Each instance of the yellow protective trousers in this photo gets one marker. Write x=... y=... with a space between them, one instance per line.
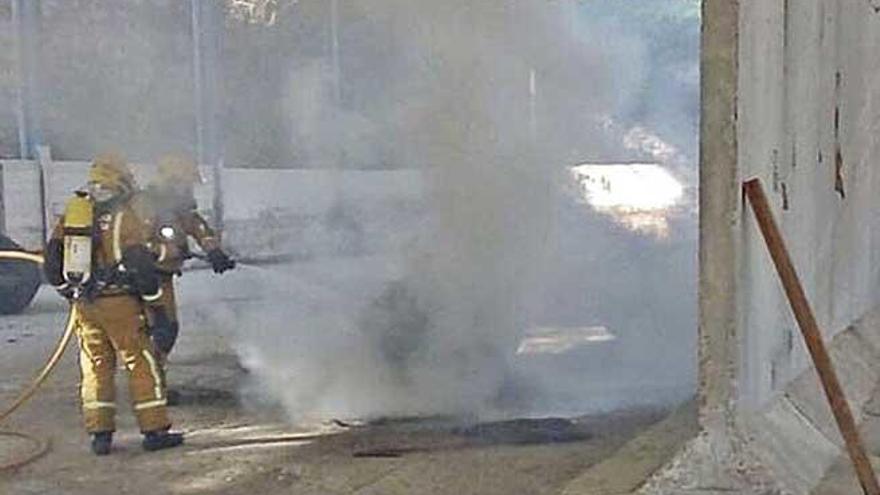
x=114 y=326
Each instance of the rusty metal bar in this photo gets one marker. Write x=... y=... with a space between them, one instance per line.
x=803 y=313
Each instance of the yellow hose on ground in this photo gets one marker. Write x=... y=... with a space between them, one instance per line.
x=41 y=446
x=23 y=256
x=29 y=391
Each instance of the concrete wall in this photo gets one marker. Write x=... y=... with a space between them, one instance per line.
x=268 y=213
x=789 y=95
x=807 y=114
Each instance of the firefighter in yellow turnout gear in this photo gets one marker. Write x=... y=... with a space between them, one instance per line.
x=98 y=257
x=169 y=207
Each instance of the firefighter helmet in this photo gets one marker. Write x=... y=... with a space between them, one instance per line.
x=177 y=169
x=109 y=173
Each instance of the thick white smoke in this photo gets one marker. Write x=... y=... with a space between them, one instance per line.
x=435 y=333
x=413 y=304
x=491 y=101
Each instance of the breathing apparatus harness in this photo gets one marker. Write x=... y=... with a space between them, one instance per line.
x=82 y=278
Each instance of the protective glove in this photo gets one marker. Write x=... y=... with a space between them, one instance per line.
x=163 y=331
x=220 y=261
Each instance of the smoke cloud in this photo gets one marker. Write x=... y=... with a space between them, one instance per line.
x=412 y=296
x=491 y=101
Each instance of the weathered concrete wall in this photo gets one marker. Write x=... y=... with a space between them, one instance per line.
x=807 y=110
x=295 y=213
x=789 y=96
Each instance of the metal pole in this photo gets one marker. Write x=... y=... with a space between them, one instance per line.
x=2 y=202
x=207 y=25
x=26 y=15
x=196 y=8
x=211 y=60
x=338 y=157
x=20 y=111
x=44 y=163
x=803 y=313
x=334 y=51
x=218 y=197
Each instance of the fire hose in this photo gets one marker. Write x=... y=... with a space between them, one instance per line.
x=41 y=446
x=23 y=256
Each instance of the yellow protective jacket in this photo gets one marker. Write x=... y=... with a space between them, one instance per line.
x=171 y=220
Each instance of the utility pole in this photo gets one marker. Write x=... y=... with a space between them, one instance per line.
x=338 y=152
x=2 y=203
x=207 y=38
x=334 y=51
x=338 y=158
x=196 y=11
x=26 y=16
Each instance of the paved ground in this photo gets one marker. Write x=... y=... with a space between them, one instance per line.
x=237 y=448
x=841 y=477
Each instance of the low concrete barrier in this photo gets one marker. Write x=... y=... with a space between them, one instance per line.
x=268 y=213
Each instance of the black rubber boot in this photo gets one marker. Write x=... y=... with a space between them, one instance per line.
x=101 y=442
x=161 y=439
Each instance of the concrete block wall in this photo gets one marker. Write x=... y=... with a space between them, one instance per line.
x=789 y=95
x=807 y=108
x=267 y=212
